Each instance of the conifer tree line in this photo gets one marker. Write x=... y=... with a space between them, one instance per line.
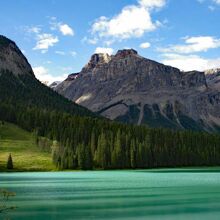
x=89 y=143
x=81 y=140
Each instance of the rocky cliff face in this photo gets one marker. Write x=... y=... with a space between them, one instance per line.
x=133 y=89
x=12 y=59
x=54 y=84
x=213 y=78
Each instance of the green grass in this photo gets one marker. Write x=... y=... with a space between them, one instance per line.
x=25 y=153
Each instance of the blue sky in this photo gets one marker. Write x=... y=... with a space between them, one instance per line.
x=59 y=36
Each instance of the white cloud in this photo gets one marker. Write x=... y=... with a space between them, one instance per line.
x=66 y=69
x=44 y=41
x=53 y=18
x=73 y=53
x=104 y=50
x=65 y=29
x=34 y=29
x=216 y=1
x=145 y=45
x=43 y=51
x=108 y=42
x=193 y=45
x=152 y=3
x=190 y=62
x=211 y=8
x=132 y=21
x=90 y=40
x=60 y=52
x=43 y=75
x=39 y=70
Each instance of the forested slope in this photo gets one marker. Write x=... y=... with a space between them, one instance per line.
x=85 y=140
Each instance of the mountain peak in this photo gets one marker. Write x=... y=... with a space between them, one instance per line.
x=212 y=71
x=100 y=58
x=126 y=52
x=5 y=42
x=95 y=60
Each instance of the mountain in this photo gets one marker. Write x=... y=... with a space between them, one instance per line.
x=12 y=59
x=130 y=88
x=18 y=85
x=54 y=84
x=75 y=137
x=213 y=78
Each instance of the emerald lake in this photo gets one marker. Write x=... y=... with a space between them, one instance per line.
x=132 y=194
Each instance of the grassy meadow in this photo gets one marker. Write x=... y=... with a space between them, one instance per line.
x=25 y=153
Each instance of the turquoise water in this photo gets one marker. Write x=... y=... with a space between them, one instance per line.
x=162 y=194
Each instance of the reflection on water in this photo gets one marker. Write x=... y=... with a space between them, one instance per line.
x=154 y=194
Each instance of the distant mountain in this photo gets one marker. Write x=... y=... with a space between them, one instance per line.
x=18 y=84
x=132 y=89
x=54 y=84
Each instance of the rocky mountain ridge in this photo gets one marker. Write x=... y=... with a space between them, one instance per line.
x=133 y=89
x=213 y=78
x=12 y=59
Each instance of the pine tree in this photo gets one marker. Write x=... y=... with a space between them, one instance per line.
x=88 y=158
x=92 y=143
x=133 y=154
x=10 y=162
x=117 y=157
x=102 y=152
x=85 y=157
x=81 y=156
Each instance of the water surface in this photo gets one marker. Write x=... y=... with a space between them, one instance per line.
x=157 y=194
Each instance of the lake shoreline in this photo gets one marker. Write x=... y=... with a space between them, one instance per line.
x=214 y=168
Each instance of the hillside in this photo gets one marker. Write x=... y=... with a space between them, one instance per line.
x=25 y=153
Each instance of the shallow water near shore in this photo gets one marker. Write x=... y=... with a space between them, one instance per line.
x=131 y=194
